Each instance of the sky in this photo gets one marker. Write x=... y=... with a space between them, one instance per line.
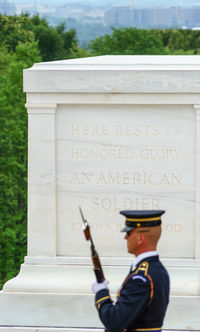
x=138 y=3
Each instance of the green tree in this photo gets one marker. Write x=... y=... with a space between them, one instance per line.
x=53 y=43
x=13 y=156
x=177 y=41
x=78 y=52
x=128 y=41
x=22 y=41
x=15 y=29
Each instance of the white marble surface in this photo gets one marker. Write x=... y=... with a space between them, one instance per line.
x=48 y=310
x=116 y=158
x=78 y=311
x=77 y=279
x=51 y=329
x=116 y=74
x=107 y=133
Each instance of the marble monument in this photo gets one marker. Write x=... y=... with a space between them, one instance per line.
x=107 y=133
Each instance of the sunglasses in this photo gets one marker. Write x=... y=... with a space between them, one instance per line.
x=129 y=232
x=142 y=231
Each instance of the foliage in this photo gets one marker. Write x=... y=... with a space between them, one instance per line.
x=156 y=41
x=22 y=41
x=13 y=154
x=78 y=52
x=128 y=41
x=85 y=31
x=179 y=41
x=182 y=52
x=53 y=43
x=14 y=29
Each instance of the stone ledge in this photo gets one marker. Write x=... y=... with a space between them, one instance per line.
x=52 y=329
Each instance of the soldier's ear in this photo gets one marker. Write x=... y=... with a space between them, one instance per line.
x=140 y=238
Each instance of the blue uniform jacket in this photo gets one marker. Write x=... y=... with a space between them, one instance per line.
x=142 y=299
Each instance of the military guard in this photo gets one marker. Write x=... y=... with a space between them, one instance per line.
x=144 y=295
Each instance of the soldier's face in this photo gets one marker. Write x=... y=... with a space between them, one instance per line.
x=134 y=241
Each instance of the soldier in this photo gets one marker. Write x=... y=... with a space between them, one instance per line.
x=143 y=298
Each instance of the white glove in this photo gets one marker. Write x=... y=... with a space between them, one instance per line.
x=97 y=286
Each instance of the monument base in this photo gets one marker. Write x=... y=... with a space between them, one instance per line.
x=60 y=296
x=47 y=310
x=75 y=311
x=52 y=329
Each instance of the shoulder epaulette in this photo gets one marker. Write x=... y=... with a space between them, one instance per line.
x=141 y=272
x=143 y=267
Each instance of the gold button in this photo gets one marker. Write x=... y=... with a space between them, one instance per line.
x=138 y=224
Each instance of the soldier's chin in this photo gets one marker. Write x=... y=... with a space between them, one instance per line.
x=129 y=251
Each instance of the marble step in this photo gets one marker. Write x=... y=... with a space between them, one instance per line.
x=52 y=329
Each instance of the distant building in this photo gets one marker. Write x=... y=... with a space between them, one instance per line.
x=192 y=16
x=143 y=17
x=80 y=13
x=66 y=12
x=7 y=8
x=93 y=16
x=119 y=16
x=154 y=17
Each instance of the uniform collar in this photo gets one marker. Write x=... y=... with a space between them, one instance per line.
x=143 y=256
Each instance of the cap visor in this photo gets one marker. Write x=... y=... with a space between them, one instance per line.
x=127 y=229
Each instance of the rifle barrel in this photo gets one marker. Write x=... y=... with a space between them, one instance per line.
x=95 y=257
x=82 y=215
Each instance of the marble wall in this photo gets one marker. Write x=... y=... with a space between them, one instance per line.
x=107 y=134
x=125 y=157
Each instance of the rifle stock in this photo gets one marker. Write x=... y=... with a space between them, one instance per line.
x=95 y=257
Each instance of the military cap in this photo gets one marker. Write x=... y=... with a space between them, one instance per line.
x=141 y=218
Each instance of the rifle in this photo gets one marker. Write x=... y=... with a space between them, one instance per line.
x=95 y=257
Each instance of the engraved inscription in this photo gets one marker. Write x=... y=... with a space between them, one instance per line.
x=110 y=227
x=110 y=153
x=130 y=130
x=161 y=154
x=89 y=130
x=126 y=157
x=95 y=130
x=125 y=203
x=126 y=178
x=102 y=154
